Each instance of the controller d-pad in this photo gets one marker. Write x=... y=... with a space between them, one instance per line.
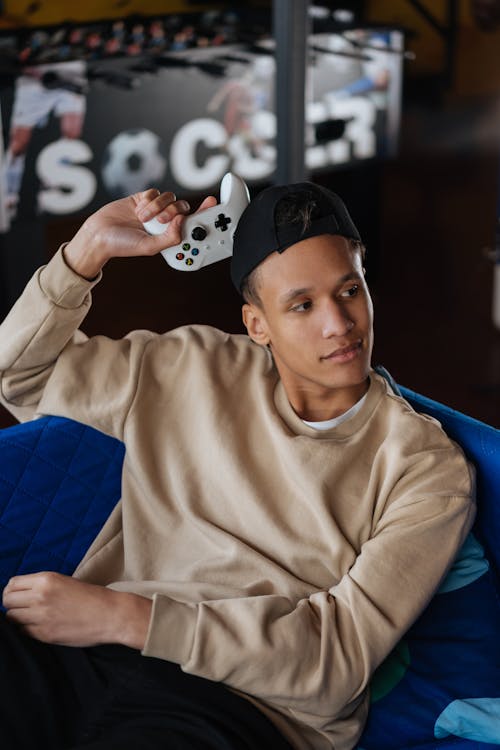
x=222 y=222
x=199 y=234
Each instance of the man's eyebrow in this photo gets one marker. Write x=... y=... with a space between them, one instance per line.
x=291 y=294
x=351 y=276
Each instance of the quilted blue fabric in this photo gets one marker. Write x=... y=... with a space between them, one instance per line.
x=481 y=443
x=59 y=481
x=440 y=688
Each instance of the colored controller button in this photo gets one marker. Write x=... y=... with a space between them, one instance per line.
x=180 y=256
x=195 y=251
x=186 y=246
x=198 y=234
x=189 y=261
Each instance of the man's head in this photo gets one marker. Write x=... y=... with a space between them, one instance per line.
x=281 y=216
x=298 y=261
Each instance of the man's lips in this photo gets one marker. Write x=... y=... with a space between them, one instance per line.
x=345 y=352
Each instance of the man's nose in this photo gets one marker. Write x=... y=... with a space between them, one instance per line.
x=336 y=320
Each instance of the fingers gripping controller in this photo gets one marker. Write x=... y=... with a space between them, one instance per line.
x=207 y=236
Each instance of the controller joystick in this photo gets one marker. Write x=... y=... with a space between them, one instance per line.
x=207 y=236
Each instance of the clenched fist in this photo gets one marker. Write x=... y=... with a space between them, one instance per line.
x=61 y=610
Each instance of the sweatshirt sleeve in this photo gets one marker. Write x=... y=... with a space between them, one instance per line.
x=48 y=366
x=315 y=656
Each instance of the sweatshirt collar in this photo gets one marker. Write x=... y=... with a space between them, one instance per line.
x=375 y=391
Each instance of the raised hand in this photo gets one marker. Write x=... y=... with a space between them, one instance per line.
x=116 y=230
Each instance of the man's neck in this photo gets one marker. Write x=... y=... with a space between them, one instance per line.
x=319 y=407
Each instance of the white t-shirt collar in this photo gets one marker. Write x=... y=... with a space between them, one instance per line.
x=327 y=424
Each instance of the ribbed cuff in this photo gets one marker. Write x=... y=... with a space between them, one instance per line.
x=62 y=285
x=171 y=630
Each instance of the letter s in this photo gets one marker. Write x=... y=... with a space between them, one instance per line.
x=67 y=187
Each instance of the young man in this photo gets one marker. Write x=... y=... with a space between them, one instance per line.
x=285 y=516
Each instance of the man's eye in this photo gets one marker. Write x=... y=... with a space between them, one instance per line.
x=351 y=292
x=302 y=307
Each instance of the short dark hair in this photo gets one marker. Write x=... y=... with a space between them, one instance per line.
x=295 y=208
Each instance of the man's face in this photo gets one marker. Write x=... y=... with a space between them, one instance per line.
x=317 y=317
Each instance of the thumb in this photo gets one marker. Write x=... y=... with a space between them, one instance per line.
x=209 y=202
x=172 y=235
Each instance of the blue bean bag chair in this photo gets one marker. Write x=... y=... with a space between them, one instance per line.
x=438 y=690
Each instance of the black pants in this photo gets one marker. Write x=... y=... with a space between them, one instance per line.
x=112 y=698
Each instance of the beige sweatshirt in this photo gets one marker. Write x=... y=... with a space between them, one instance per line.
x=283 y=561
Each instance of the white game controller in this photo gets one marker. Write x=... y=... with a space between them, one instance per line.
x=207 y=236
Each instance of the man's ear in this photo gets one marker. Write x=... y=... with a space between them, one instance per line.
x=255 y=323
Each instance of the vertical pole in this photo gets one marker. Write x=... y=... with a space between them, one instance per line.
x=291 y=31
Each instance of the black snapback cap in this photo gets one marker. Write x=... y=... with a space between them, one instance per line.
x=257 y=234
